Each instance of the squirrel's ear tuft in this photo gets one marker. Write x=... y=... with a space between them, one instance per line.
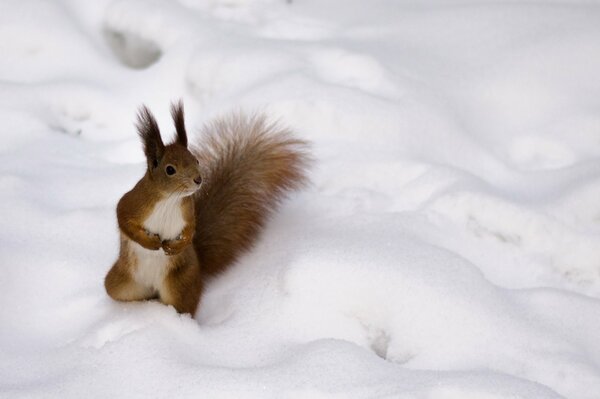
x=177 y=114
x=150 y=135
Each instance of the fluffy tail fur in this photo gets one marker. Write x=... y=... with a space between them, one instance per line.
x=249 y=165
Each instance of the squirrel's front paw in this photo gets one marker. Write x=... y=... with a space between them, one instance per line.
x=152 y=241
x=173 y=247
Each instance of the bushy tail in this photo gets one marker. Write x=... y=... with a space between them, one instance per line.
x=249 y=165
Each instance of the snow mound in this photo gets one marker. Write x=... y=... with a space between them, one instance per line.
x=448 y=248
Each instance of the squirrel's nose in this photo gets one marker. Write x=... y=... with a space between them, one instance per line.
x=198 y=180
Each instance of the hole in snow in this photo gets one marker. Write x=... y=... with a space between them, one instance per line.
x=380 y=342
x=378 y=339
x=132 y=50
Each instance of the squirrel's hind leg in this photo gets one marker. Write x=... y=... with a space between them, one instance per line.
x=122 y=287
x=182 y=286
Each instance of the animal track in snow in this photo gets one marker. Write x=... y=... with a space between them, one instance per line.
x=132 y=50
x=138 y=36
x=530 y=233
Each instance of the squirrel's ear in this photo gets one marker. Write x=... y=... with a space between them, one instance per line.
x=150 y=135
x=177 y=114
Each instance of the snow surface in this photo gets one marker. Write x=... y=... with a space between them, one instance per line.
x=449 y=247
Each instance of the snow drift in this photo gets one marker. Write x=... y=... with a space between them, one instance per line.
x=449 y=246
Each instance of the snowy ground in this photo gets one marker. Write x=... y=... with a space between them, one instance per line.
x=449 y=247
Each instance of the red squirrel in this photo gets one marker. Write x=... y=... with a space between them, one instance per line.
x=199 y=207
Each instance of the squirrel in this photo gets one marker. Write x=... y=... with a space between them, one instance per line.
x=199 y=207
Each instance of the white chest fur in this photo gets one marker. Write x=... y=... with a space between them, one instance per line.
x=151 y=266
x=167 y=221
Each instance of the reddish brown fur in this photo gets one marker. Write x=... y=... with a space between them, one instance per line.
x=248 y=166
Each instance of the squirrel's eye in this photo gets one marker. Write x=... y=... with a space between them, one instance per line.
x=170 y=170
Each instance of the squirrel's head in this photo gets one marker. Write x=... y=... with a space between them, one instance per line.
x=172 y=168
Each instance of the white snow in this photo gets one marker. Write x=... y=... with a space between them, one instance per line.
x=449 y=246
